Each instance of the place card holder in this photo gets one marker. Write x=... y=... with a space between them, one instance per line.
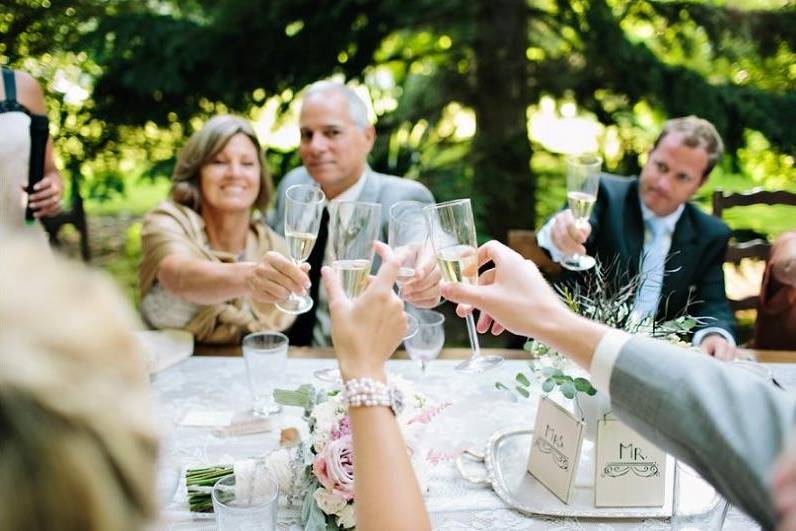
x=555 y=448
x=629 y=470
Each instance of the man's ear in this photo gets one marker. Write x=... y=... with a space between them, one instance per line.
x=370 y=136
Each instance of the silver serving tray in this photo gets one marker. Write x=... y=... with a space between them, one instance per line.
x=505 y=462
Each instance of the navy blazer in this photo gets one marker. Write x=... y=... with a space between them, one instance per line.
x=694 y=263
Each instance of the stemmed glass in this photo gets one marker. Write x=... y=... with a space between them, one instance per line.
x=583 y=179
x=303 y=210
x=427 y=343
x=451 y=228
x=353 y=228
x=408 y=237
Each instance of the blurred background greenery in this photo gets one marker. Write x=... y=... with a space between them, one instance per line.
x=476 y=98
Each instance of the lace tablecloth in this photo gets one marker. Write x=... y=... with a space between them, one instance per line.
x=478 y=410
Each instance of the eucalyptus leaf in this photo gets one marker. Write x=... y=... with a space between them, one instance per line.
x=522 y=379
x=582 y=384
x=548 y=385
x=499 y=385
x=521 y=390
x=568 y=390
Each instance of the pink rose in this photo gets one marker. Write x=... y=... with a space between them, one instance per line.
x=334 y=467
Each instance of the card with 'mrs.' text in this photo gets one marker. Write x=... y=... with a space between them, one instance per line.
x=555 y=449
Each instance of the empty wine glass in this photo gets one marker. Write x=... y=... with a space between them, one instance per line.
x=303 y=210
x=408 y=237
x=427 y=343
x=451 y=228
x=353 y=228
x=583 y=179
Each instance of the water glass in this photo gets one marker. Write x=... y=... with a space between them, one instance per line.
x=266 y=357
x=251 y=507
x=427 y=343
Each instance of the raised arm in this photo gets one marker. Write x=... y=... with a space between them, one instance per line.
x=366 y=331
x=728 y=424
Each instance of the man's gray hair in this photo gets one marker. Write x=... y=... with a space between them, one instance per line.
x=357 y=110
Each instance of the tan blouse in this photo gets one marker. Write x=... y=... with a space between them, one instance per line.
x=175 y=229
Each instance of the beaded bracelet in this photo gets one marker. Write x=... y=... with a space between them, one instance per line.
x=367 y=392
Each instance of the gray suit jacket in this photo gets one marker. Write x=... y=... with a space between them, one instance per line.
x=379 y=188
x=725 y=422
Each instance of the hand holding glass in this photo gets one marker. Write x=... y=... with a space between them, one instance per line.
x=408 y=238
x=353 y=228
x=583 y=179
x=451 y=228
x=303 y=210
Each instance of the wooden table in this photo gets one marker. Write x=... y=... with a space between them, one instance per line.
x=328 y=352
x=763 y=356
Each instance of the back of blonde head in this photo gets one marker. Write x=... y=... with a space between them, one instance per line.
x=77 y=445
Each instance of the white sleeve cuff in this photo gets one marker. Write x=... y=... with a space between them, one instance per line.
x=544 y=241
x=602 y=363
x=700 y=335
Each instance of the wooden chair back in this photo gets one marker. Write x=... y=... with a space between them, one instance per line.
x=757 y=248
x=524 y=242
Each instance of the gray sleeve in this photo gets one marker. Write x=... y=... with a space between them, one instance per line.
x=725 y=422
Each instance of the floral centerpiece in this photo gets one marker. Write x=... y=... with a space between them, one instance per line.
x=318 y=475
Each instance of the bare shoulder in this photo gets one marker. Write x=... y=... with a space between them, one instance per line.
x=30 y=93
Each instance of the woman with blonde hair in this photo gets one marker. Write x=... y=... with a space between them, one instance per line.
x=210 y=265
x=77 y=440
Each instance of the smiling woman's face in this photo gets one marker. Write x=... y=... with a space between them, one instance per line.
x=230 y=180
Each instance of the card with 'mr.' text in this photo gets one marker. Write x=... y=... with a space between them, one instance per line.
x=555 y=449
x=629 y=470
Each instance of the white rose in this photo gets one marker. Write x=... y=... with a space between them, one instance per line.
x=278 y=463
x=329 y=501
x=345 y=518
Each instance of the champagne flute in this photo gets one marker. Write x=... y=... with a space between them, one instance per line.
x=583 y=179
x=408 y=237
x=452 y=232
x=353 y=228
x=303 y=210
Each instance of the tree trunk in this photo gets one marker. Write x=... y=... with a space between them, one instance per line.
x=501 y=151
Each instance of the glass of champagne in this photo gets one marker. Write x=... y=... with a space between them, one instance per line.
x=353 y=228
x=408 y=237
x=451 y=228
x=303 y=210
x=427 y=343
x=583 y=179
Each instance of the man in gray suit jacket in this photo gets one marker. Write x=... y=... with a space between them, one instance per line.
x=729 y=424
x=336 y=139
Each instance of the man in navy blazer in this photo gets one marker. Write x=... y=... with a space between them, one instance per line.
x=629 y=210
x=336 y=139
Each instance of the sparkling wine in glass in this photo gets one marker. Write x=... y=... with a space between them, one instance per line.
x=303 y=210
x=407 y=235
x=451 y=228
x=583 y=179
x=353 y=228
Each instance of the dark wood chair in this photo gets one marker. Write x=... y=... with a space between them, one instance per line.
x=524 y=242
x=757 y=247
x=75 y=215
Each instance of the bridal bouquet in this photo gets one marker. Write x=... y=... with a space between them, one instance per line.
x=318 y=474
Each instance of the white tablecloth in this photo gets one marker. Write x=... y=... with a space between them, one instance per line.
x=478 y=410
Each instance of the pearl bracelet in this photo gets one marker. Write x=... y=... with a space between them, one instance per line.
x=367 y=392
